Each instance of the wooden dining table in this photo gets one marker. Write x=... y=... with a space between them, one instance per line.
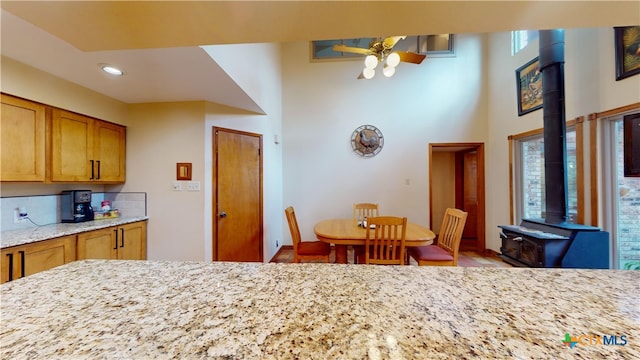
x=345 y=232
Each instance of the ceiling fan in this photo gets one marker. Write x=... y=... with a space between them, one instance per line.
x=381 y=51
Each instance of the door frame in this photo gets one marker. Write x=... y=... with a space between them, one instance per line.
x=214 y=188
x=480 y=182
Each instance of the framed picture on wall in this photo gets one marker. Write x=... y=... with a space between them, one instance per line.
x=529 y=87
x=627 y=43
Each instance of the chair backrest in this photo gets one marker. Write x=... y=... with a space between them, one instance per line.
x=385 y=241
x=293 y=227
x=362 y=210
x=451 y=231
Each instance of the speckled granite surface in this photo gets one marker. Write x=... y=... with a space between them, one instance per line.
x=39 y=233
x=158 y=310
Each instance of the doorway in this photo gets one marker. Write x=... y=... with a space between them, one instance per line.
x=456 y=179
x=237 y=196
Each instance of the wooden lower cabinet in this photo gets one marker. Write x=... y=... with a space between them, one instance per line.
x=25 y=260
x=124 y=242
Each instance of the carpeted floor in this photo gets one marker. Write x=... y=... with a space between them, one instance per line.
x=465 y=258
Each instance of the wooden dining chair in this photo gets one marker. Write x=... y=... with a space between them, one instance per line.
x=445 y=252
x=364 y=210
x=360 y=212
x=384 y=244
x=305 y=250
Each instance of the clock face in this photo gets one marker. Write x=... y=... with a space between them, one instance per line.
x=367 y=140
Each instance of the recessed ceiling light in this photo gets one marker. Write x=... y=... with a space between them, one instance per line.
x=110 y=69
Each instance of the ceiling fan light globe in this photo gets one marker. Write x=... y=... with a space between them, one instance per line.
x=388 y=71
x=368 y=73
x=370 y=62
x=393 y=59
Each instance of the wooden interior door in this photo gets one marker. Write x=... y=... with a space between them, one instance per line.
x=465 y=168
x=469 y=196
x=237 y=203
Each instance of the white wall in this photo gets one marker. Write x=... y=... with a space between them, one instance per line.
x=159 y=136
x=265 y=86
x=163 y=134
x=440 y=100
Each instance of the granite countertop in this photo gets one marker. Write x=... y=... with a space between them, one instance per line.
x=45 y=232
x=152 y=309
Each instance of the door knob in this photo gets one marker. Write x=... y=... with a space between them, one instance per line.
x=223 y=214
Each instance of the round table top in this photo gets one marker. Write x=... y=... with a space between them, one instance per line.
x=347 y=232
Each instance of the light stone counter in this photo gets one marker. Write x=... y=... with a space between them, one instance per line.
x=45 y=232
x=186 y=310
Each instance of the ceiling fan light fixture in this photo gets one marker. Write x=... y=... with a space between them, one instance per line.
x=393 y=59
x=368 y=73
x=388 y=71
x=370 y=62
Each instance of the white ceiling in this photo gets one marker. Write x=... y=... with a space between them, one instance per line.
x=157 y=42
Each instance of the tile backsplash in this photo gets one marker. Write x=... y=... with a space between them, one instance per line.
x=45 y=209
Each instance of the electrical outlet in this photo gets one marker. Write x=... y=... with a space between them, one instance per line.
x=193 y=186
x=177 y=186
x=20 y=215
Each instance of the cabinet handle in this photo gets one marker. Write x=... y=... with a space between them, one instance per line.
x=122 y=238
x=21 y=263
x=519 y=238
x=10 y=266
x=116 y=246
x=98 y=161
x=92 y=173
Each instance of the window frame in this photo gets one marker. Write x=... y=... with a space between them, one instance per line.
x=516 y=191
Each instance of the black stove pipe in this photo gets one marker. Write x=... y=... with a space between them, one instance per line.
x=551 y=47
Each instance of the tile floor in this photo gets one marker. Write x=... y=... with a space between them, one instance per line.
x=465 y=258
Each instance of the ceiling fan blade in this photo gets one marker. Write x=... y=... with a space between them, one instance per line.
x=390 y=41
x=356 y=50
x=410 y=57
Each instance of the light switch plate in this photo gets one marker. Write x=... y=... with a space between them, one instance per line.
x=177 y=186
x=193 y=186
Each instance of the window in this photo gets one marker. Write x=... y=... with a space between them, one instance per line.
x=521 y=38
x=529 y=186
x=621 y=197
x=440 y=45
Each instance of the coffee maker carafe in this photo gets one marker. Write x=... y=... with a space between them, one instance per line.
x=76 y=206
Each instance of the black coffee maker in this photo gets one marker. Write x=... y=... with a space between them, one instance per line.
x=76 y=206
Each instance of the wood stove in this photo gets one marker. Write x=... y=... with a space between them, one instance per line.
x=552 y=242
x=536 y=243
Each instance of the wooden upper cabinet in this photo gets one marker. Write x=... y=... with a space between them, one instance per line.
x=22 y=140
x=109 y=152
x=71 y=147
x=84 y=149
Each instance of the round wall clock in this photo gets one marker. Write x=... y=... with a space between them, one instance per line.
x=367 y=140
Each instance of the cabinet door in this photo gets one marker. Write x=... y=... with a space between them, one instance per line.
x=22 y=140
x=132 y=243
x=8 y=265
x=71 y=147
x=98 y=244
x=29 y=259
x=109 y=152
x=48 y=254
